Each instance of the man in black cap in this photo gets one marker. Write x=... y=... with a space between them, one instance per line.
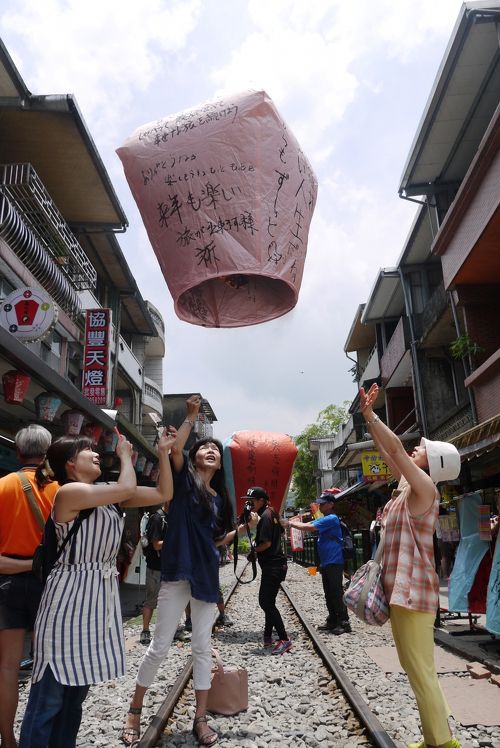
x=272 y=562
x=331 y=557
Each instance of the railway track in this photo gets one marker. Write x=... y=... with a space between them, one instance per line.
x=350 y=707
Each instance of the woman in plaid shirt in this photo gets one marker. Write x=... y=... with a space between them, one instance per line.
x=409 y=577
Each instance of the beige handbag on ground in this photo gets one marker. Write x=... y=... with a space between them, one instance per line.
x=228 y=693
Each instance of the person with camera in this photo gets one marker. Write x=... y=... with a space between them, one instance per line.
x=331 y=559
x=155 y=532
x=273 y=565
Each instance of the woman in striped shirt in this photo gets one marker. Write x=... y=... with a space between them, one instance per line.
x=409 y=577
x=78 y=631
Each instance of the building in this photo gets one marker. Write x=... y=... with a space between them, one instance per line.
x=59 y=252
x=427 y=333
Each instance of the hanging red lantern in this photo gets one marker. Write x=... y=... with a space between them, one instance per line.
x=118 y=401
x=231 y=235
x=72 y=422
x=46 y=406
x=93 y=431
x=15 y=385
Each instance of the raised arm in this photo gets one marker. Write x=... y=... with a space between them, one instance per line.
x=423 y=490
x=72 y=497
x=192 y=409
x=164 y=491
x=302 y=526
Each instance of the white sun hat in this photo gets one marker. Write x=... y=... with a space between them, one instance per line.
x=443 y=459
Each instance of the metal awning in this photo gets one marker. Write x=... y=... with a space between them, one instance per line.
x=350 y=457
x=462 y=100
x=386 y=300
x=361 y=484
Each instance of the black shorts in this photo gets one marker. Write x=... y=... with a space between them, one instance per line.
x=19 y=600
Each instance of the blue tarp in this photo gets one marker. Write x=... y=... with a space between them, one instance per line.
x=469 y=555
x=493 y=599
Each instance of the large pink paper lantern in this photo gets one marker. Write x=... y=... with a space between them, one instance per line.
x=226 y=196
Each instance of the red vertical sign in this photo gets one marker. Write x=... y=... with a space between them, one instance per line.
x=96 y=369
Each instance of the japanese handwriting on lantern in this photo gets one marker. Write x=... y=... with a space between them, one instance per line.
x=273 y=253
x=269 y=224
x=167 y=210
x=282 y=178
x=298 y=225
x=283 y=149
x=207 y=254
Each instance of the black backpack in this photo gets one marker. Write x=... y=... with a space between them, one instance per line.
x=347 y=541
x=146 y=540
x=46 y=554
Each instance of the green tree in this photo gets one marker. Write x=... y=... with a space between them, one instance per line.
x=327 y=424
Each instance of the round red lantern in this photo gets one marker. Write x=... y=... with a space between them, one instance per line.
x=15 y=386
x=72 y=422
x=46 y=406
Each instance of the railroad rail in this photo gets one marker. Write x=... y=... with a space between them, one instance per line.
x=374 y=730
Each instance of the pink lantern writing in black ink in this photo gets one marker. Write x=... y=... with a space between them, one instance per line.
x=72 y=421
x=227 y=196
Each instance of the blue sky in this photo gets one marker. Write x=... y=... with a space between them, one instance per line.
x=351 y=79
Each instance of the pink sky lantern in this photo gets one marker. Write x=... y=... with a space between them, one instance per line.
x=259 y=458
x=227 y=196
x=46 y=406
x=72 y=421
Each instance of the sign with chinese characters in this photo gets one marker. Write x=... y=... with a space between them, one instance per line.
x=28 y=313
x=374 y=467
x=96 y=368
x=259 y=458
x=296 y=540
x=227 y=196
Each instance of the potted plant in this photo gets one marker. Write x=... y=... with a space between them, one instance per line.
x=463 y=347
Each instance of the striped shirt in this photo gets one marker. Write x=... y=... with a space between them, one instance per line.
x=78 y=629
x=409 y=575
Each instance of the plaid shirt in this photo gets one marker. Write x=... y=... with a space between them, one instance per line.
x=409 y=575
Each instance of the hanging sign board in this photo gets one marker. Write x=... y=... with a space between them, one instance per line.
x=374 y=467
x=96 y=356
x=28 y=313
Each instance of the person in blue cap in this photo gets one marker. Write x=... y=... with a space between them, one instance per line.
x=331 y=558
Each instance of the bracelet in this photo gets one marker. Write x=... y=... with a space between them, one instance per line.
x=374 y=420
x=187 y=420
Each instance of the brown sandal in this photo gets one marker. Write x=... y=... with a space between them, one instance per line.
x=208 y=738
x=130 y=735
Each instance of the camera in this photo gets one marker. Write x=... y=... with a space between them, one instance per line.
x=247 y=510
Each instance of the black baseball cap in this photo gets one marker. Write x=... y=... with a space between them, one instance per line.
x=256 y=493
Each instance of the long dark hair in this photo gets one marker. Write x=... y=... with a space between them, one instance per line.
x=225 y=520
x=62 y=450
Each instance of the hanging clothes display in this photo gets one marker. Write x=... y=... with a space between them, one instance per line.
x=493 y=600
x=470 y=553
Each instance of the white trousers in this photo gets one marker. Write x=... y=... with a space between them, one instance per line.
x=172 y=599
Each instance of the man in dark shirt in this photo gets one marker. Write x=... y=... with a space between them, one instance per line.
x=156 y=528
x=272 y=562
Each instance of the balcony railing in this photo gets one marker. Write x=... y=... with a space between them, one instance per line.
x=433 y=309
x=394 y=351
x=20 y=183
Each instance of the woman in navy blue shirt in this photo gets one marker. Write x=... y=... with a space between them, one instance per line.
x=199 y=520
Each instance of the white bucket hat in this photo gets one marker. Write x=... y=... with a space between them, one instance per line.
x=443 y=459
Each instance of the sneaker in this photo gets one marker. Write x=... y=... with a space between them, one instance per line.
x=282 y=646
x=180 y=634
x=347 y=627
x=145 y=637
x=223 y=620
x=326 y=627
x=188 y=626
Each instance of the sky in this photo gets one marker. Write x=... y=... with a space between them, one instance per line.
x=350 y=78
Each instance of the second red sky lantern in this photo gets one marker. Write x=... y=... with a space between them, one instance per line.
x=227 y=196
x=259 y=458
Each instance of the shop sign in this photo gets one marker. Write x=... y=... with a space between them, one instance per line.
x=96 y=365
x=374 y=467
x=28 y=313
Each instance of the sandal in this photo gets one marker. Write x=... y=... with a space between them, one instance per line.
x=130 y=735
x=208 y=738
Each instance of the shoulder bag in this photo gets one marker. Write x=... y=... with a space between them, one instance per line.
x=365 y=595
x=228 y=693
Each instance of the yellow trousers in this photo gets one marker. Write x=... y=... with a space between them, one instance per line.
x=413 y=633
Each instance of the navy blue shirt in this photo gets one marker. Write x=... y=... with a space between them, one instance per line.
x=189 y=551
x=329 y=540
